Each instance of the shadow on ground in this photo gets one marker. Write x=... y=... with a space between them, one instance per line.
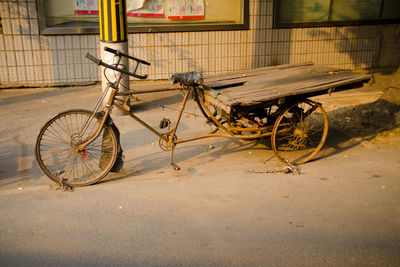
x=350 y=126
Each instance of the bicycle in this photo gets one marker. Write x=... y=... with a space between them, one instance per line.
x=80 y=147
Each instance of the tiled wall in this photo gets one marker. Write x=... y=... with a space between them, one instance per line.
x=30 y=59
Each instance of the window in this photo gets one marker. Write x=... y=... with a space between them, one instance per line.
x=81 y=16
x=310 y=13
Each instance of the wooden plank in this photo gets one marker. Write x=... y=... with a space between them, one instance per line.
x=272 y=83
x=295 y=82
x=262 y=76
x=248 y=73
x=289 y=82
x=296 y=90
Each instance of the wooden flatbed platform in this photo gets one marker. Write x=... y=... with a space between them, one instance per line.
x=268 y=84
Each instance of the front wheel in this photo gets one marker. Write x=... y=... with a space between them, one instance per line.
x=300 y=132
x=58 y=153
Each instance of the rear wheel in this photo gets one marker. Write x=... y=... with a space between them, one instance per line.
x=300 y=132
x=60 y=158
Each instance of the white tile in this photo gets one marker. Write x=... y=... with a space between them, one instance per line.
x=21 y=74
x=86 y=71
x=38 y=73
x=211 y=51
x=32 y=13
x=218 y=50
x=4 y=74
x=205 y=37
x=143 y=40
x=78 y=55
x=35 y=42
x=76 y=43
x=62 y=72
x=91 y=41
x=205 y=52
x=34 y=26
x=218 y=38
x=193 y=38
x=70 y=69
x=16 y=26
x=13 y=8
x=28 y=58
x=12 y=74
x=150 y=40
x=23 y=10
x=60 y=42
x=78 y=71
x=69 y=55
x=7 y=28
x=4 y=11
x=212 y=39
x=30 y=73
x=37 y=57
x=18 y=45
x=44 y=42
x=46 y=57
x=3 y=59
x=27 y=42
x=48 y=73
x=54 y=57
x=243 y=50
x=68 y=41
x=157 y=39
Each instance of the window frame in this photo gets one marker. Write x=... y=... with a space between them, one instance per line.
x=284 y=25
x=245 y=25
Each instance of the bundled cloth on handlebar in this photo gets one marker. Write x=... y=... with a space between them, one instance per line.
x=192 y=78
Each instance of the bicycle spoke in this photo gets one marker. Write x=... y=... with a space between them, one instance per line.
x=60 y=161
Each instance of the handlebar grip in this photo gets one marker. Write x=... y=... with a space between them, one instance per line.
x=109 y=49
x=119 y=53
x=92 y=58
x=100 y=62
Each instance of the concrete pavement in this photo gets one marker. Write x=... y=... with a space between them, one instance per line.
x=223 y=208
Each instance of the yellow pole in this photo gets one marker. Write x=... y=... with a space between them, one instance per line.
x=113 y=33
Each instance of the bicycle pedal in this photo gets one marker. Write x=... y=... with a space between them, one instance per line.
x=164 y=123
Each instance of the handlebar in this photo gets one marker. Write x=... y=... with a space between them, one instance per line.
x=119 y=53
x=100 y=62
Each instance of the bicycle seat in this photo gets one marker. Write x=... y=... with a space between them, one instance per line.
x=192 y=78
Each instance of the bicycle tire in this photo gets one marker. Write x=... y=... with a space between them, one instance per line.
x=57 y=154
x=297 y=138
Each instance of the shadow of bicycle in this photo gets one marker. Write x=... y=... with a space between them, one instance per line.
x=353 y=125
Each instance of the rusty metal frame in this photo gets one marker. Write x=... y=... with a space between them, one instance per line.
x=168 y=137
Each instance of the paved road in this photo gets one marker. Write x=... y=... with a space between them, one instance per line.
x=223 y=208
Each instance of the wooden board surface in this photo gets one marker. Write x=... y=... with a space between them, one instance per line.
x=264 y=84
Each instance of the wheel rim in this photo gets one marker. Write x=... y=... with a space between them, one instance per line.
x=59 y=156
x=300 y=132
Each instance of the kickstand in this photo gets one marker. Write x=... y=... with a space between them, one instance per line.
x=61 y=185
x=171 y=161
x=291 y=168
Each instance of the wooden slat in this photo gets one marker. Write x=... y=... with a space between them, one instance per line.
x=290 y=83
x=248 y=73
x=279 y=81
x=295 y=89
x=263 y=76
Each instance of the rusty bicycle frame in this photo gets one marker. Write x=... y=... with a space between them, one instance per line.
x=168 y=139
x=297 y=126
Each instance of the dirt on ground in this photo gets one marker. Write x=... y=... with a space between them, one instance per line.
x=358 y=117
x=226 y=207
